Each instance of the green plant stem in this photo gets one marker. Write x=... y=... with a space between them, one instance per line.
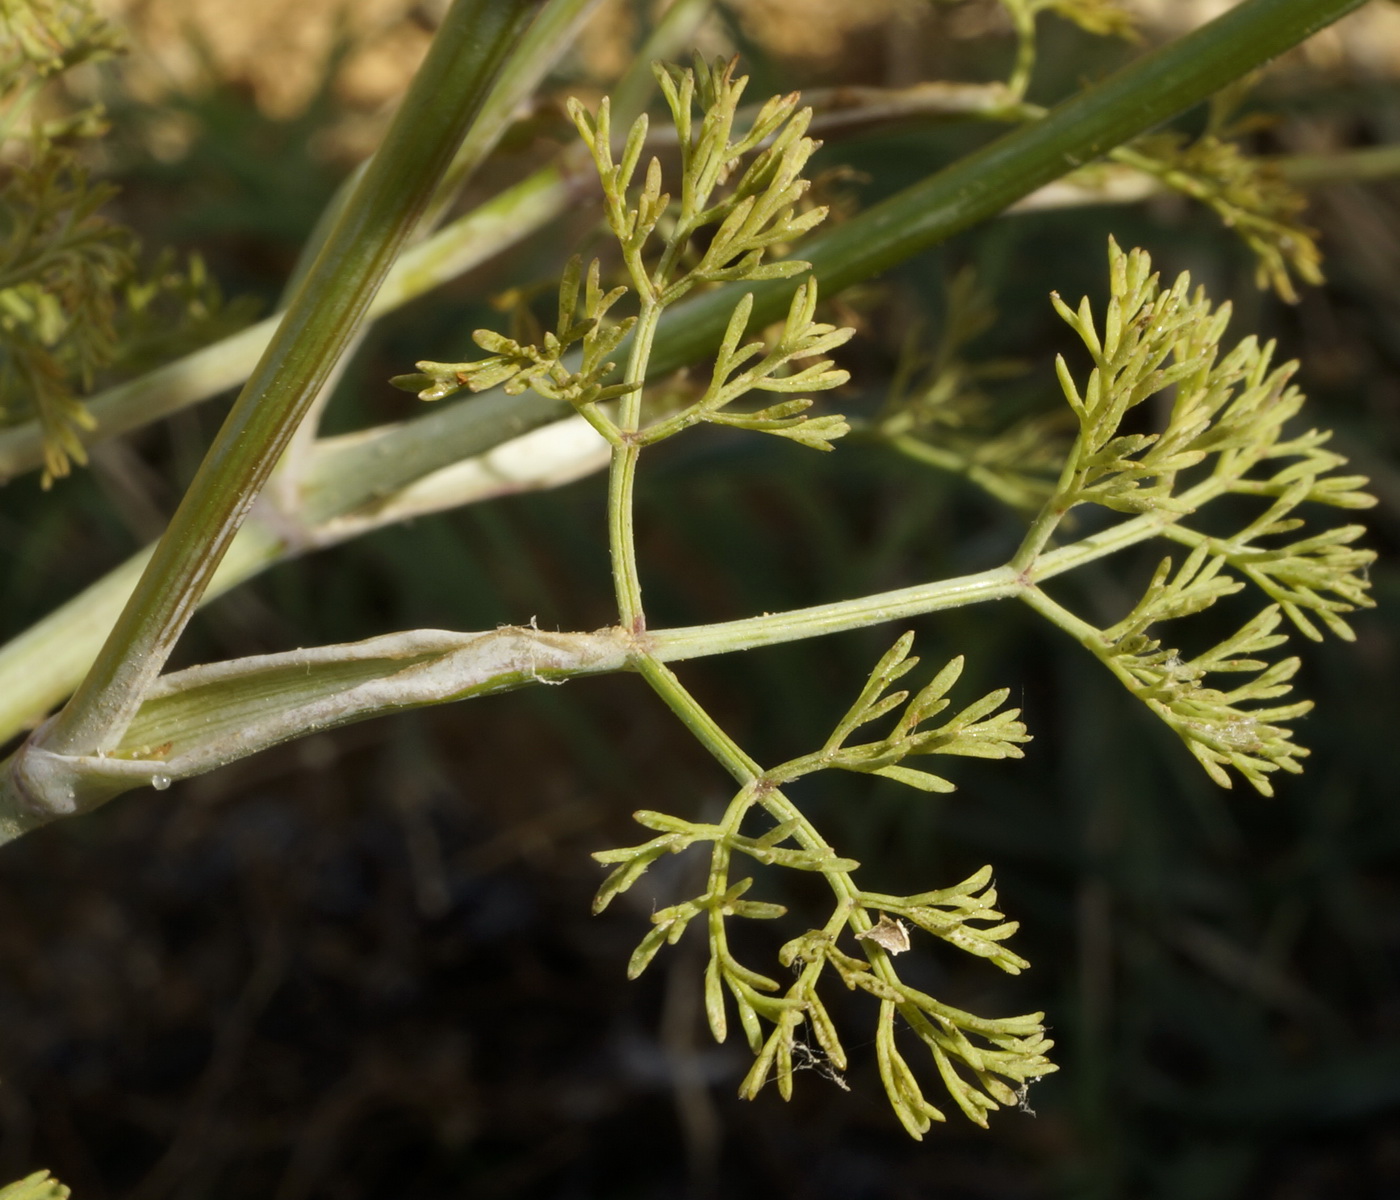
x=771 y=629
x=475 y=38
x=622 y=474
x=1023 y=21
x=999 y=583
x=277 y=697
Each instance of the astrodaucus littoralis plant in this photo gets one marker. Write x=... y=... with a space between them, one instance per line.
x=1223 y=435
x=739 y=201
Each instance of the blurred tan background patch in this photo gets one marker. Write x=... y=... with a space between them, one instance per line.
x=279 y=51
x=276 y=50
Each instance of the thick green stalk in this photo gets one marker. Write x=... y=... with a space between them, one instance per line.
x=473 y=42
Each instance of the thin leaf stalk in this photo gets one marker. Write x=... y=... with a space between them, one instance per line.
x=745 y=771
x=622 y=475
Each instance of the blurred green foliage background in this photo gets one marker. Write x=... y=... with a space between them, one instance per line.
x=363 y=965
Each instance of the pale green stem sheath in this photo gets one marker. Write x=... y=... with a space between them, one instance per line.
x=475 y=38
x=201 y=718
